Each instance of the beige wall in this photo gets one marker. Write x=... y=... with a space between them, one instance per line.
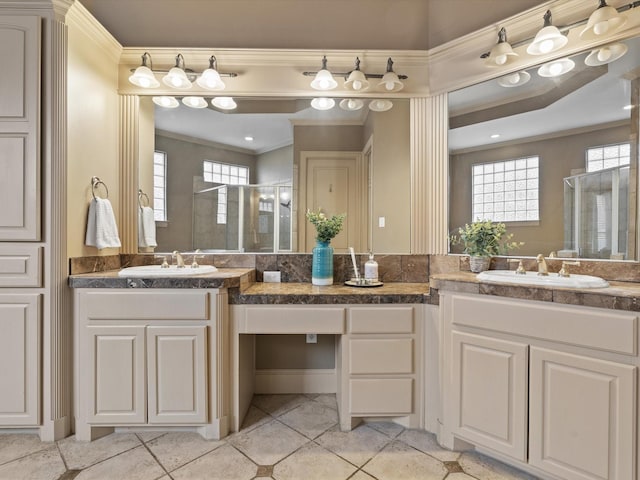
x=558 y=156
x=275 y=167
x=92 y=109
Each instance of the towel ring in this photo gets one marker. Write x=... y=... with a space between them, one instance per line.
x=142 y=195
x=95 y=181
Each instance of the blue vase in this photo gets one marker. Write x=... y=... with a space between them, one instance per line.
x=322 y=266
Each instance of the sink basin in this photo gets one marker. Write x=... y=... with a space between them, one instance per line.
x=552 y=280
x=147 y=271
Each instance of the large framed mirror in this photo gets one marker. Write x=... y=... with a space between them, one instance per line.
x=241 y=180
x=552 y=154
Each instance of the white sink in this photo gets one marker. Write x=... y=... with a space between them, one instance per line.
x=551 y=280
x=146 y=271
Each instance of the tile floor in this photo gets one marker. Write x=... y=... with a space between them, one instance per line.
x=284 y=437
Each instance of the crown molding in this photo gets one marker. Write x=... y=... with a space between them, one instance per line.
x=200 y=141
x=79 y=17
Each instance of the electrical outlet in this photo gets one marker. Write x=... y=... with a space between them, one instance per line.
x=381 y=222
x=312 y=338
x=271 y=277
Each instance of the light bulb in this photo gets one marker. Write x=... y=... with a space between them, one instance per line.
x=501 y=59
x=601 y=28
x=388 y=85
x=352 y=104
x=604 y=54
x=175 y=81
x=165 y=101
x=514 y=78
x=546 y=46
x=357 y=84
x=324 y=84
x=555 y=69
x=144 y=82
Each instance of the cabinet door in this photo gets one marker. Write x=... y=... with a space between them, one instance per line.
x=177 y=374
x=581 y=416
x=19 y=359
x=19 y=128
x=117 y=387
x=489 y=392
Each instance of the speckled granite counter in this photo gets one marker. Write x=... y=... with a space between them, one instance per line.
x=618 y=296
x=306 y=293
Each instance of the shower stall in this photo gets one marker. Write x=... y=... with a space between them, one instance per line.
x=596 y=207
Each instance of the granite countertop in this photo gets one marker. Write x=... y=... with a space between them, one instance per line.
x=618 y=296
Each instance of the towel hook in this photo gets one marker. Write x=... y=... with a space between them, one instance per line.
x=141 y=194
x=95 y=181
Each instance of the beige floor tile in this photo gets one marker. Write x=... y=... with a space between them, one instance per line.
x=146 y=437
x=178 y=448
x=357 y=446
x=254 y=418
x=459 y=476
x=80 y=455
x=390 y=429
x=224 y=463
x=327 y=399
x=362 y=476
x=486 y=468
x=269 y=443
x=426 y=442
x=399 y=462
x=312 y=462
x=43 y=465
x=310 y=419
x=16 y=445
x=136 y=464
x=276 y=405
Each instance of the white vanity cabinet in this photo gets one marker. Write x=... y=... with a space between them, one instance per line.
x=550 y=386
x=150 y=357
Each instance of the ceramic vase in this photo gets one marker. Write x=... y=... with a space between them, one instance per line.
x=322 y=266
x=479 y=264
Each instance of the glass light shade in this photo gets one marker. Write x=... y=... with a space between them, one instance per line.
x=166 y=102
x=606 y=54
x=547 y=40
x=351 y=104
x=144 y=77
x=225 y=103
x=556 y=68
x=210 y=80
x=604 y=21
x=501 y=54
x=323 y=103
x=390 y=82
x=357 y=81
x=514 y=79
x=324 y=81
x=195 y=102
x=380 y=105
x=177 y=78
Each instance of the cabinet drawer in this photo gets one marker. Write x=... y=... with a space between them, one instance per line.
x=381 y=320
x=293 y=320
x=384 y=356
x=20 y=266
x=384 y=396
x=149 y=305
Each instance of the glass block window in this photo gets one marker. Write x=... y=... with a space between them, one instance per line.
x=608 y=156
x=160 y=186
x=506 y=191
x=224 y=173
x=222 y=206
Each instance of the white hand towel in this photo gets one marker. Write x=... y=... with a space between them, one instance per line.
x=102 y=231
x=146 y=227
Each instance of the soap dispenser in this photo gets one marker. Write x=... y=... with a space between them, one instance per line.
x=371 y=270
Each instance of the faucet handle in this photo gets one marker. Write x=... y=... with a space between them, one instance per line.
x=520 y=270
x=563 y=271
x=553 y=254
x=164 y=264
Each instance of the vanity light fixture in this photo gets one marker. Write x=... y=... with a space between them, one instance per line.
x=224 y=103
x=166 y=102
x=177 y=77
x=195 y=102
x=501 y=53
x=357 y=80
x=323 y=103
x=390 y=80
x=556 y=67
x=380 y=105
x=143 y=75
x=323 y=79
x=548 y=39
x=606 y=54
x=210 y=78
x=351 y=104
x=603 y=21
x=514 y=79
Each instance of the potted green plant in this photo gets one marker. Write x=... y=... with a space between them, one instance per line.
x=326 y=229
x=482 y=240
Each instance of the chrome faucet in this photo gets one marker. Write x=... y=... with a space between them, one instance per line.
x=542 y=265
x=563 y=271
x=179 y=259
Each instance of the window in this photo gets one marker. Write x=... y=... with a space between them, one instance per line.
x=227 y=174
x=608 y=156
x=506 y=191
x=160 y=186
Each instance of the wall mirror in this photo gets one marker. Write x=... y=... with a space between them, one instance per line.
x=240 y=180
x=554 y=155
